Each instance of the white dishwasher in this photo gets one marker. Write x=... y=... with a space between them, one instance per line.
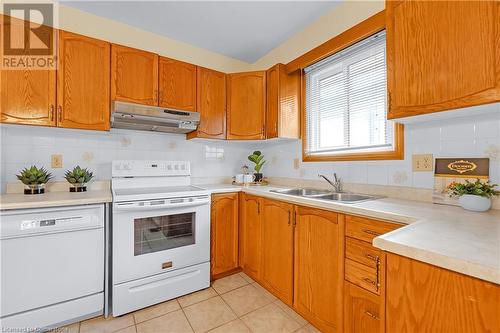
x=52 y=266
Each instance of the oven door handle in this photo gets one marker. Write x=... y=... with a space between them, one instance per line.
x=137 y=207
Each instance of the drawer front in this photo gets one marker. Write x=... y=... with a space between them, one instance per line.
x=361 y=275
x=363 y=310
x=362 y=252
x=366 y=229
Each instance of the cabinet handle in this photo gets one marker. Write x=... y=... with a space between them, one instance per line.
x=369 y=281
x=371 y=232
x=372 y=315
x=374 y=258
x=289 y=218
x=258 y=207
x=51 y=111
x=294 y=218
x=59 y=113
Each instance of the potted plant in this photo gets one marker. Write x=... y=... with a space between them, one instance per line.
x=258 y=159
x=35 y=179
x=475 y=196
x=78 y=178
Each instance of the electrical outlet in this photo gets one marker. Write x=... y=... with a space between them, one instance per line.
x=296 y=163
x=56 y=161
x=422 y=162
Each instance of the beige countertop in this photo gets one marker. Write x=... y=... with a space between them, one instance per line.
x=54 y=199
x=445 y=236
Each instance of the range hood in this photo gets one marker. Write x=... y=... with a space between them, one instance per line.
x=152 y=118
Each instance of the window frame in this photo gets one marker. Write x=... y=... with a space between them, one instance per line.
x=340 y=42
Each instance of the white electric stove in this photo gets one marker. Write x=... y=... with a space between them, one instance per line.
x=160 y=234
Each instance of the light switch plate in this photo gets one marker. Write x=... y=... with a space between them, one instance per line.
x=56 y=161
x=422 y=162
x=296 y=163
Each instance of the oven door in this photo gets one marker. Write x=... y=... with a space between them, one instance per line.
x=157 y=236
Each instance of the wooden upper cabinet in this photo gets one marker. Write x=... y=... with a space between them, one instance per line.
x=283 y=101
x=277 y=248
x=27 y=96
x=318 y=267
x=83 y=82
x=250 y=236
x=224 y=233
x=246 y=106
x=442 y=55
x=426 y=298
x=211 y=105
x=177 y=85
x=134 y=75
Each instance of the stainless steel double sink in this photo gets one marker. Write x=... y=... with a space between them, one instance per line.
x=344 y=197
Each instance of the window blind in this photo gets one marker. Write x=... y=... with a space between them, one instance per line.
x=346 y=100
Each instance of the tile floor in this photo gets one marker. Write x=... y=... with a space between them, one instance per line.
x=232 y=304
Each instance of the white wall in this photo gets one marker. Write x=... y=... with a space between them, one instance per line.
x=471 y=136
x=22 y=146
x=342 y=17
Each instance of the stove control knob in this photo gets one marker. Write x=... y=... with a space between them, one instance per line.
x=183 y=167
x=177 y=167
x=127 y=167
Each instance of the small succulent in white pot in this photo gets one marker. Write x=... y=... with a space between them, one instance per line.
x=35 y=179
x=475 y=196
x=78 y=178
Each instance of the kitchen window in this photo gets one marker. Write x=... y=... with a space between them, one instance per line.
x=346 y=106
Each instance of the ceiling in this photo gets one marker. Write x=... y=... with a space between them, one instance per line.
x=243 y=30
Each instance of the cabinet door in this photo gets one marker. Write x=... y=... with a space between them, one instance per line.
x=283 y=93
x=211 y=105
x=246 y=103
x=83 y=78
x=250 y=236
x=363 y=311
x=134 y=75
x=442 y=55
x=224 y=233
x=319 y=272
x=177 y=84
x=425 y=298
x=27 y=96
x=277 y=248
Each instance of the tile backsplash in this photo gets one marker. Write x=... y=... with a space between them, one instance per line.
x=23 y=146
x=471 y=136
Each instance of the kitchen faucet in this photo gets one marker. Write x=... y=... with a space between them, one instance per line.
x=337 y=184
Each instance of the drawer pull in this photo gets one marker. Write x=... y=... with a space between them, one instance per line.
x=371 y=232
x=374 y=258
x=374 y=316
x=369 y=281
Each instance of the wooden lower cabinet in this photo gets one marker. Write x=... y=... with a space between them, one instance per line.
x=318 y=267
x=425 y=298
x=277 y=248
x=363 y=310
x=224 y=233
x=250 y=236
